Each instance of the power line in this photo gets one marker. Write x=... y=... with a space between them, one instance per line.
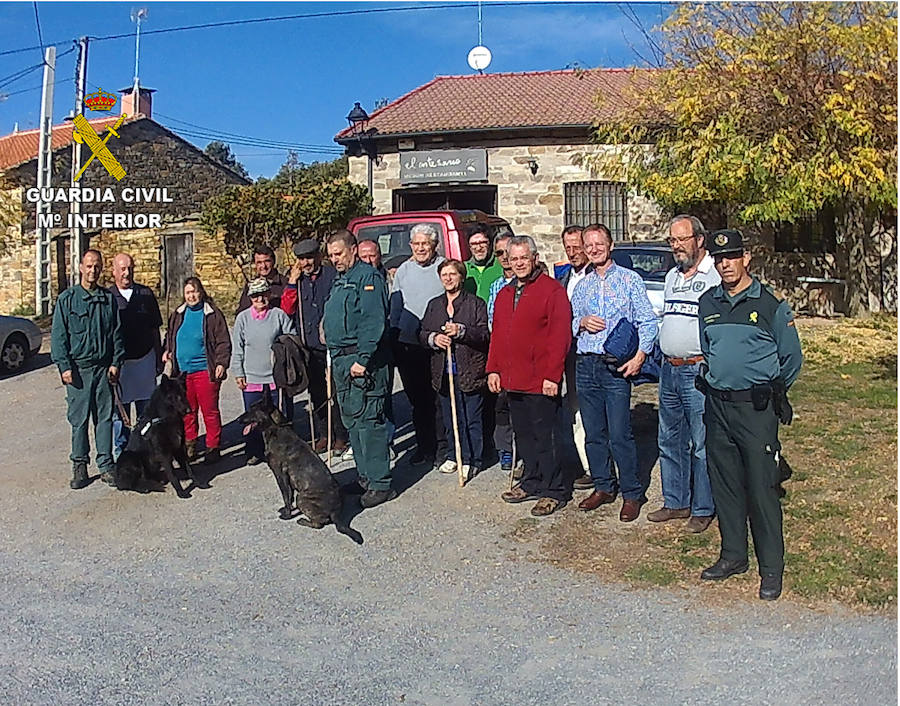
x=337 y=13
x=4 y=96
x=226 y=136
x=37 y=22
x=250 y=142
x=6 y=80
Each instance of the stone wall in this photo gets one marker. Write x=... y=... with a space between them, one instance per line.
x=532 y=203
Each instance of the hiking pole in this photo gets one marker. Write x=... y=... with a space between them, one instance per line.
x=457 y=445
x=329 y=412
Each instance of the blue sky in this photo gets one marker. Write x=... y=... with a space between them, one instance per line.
x=295 y=81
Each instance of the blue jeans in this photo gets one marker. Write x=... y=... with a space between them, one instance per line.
x=682 y=441
x=254 y=445
x=605 y=402
x=471 y=431
x=121 y=433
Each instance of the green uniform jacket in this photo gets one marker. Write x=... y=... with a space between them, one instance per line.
x=86 y=330
x=748 y=340
x=356 y=313
x=479 y=278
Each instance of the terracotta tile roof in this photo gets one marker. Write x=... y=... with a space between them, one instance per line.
x=531 y=99
x=20 y=147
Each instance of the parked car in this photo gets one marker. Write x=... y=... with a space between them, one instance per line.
x=651 y=260
x=391 y=230
x=21 y=339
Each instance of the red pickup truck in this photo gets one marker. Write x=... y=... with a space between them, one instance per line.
x=391 y=230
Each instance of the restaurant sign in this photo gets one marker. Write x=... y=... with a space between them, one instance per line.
x=443 y=165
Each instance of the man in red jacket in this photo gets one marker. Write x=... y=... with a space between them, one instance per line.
x=531 y=335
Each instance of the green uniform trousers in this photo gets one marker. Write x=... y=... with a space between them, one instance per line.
x=362 y=405
x=741 y=444
x=90 y=397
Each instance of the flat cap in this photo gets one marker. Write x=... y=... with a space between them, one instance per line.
x=306 y=248
x=724 y=241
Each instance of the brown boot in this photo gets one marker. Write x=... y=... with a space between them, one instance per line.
x=664 y=514
x=698 y=523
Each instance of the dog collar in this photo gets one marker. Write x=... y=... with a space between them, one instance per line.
x=146 y=427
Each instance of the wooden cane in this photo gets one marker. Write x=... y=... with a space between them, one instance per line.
x=329 y=413
x=512 y=473
x=457 y=445
x=312 y=425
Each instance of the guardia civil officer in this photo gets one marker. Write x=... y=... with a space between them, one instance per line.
x=87 y=346
x=355 y=327
x=753 y=355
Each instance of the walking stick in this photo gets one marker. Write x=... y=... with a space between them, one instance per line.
x=457 y=445
x=512 y=473
x=329 y=413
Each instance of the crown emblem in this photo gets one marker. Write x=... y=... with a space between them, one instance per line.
x=100 y=100
x=721 y=240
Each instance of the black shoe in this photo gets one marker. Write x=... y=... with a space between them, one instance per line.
x=354 y=488
x=371 y=498
x=79 y=476
x=722 y=569
x=109 y=478
x=770 y=587
x=419 y=458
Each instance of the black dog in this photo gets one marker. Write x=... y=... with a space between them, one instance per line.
x=299 y=470
x=156 y=440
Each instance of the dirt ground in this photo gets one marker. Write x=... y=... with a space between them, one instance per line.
x=116 y=597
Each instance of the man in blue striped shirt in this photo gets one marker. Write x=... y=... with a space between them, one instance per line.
x=603 y=298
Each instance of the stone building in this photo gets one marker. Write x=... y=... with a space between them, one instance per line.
x=177 y=178
x=520 y=145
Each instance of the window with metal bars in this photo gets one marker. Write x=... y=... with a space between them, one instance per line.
x=598 y=202
x=812 y=232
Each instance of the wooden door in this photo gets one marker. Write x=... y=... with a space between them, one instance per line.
x=178 y=265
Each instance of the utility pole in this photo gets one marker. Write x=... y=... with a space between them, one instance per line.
x=76 y=234
x=45 y=164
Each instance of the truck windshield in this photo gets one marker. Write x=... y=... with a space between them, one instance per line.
x=393 y=238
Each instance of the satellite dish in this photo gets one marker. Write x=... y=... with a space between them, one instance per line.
x=479 y=58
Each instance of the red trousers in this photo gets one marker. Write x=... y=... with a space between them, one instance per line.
x=203 y=394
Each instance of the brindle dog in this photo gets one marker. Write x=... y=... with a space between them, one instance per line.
x=298 y=470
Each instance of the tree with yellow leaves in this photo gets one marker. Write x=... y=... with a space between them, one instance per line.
x=775 y=110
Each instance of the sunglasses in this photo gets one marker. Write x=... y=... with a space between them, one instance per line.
x=499 y=252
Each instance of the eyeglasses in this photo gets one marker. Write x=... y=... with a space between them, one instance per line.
x=478 y=242
x=680 y=241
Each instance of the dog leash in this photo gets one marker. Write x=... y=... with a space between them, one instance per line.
x=120 y=407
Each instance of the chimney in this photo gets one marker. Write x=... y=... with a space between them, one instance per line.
x=137 y=100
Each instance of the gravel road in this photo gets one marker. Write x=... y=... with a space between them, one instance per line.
x=118 y=598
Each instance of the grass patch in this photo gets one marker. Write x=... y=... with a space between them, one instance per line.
x=840 y=512
x=651 y=574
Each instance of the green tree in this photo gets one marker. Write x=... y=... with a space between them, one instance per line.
x=294 y=172
x=276 y=213
x=774 y=110
x=221 y=153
